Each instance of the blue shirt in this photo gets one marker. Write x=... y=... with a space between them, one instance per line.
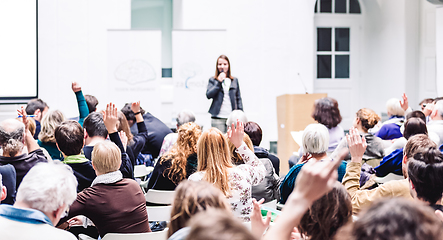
x=391 y=131
x=288 y=183
x=28 y=215
x=390 y=164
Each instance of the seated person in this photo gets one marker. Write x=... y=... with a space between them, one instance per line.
x=157 y=130
x=96 y=128
x=391 y=128
x=44 y=196
x=268 y=188
x=425 y=172
x=180 y=162
x=365 y=119
x=12 y=136
x=255 y=133
x=69 y=138
x=46 y=138
x=37 y=108
x=113 y=203
x=327 y=215
x=9 y=176
x=315 y=141
x=92 y=103
x=394 y=219
x=396 y=188
x=190 y=199
x=393 y=162
x=183 y=117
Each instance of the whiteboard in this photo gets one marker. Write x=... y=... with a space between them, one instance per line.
x=18 y=50
x=194 y=54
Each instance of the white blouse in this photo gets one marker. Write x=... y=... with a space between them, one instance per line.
x=241 y=179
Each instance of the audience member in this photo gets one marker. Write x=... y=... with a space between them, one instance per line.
x=46 y=138
x=326 y=215
x=391 y=128
x=70 y=139
x=396 y=188
x=392 y=163
x=191 y=198
x=13 y=136
x=268 y=188
x=37 y=108
x=236 y=115
x=92 y=103
x=255 y=133
x=215 y=166
x=326 y=112
x=365 y=119
x=2 y=189
x=183 y=117
x=424 y=102
x=138 y=141
x=113 y=203
x=435 y=124
x=9 y=176
x=425 y=172
x=217 y=225
x=180 y=162
x=44 y=196
x=315 y=142
x=157 y=130
x=97 y=126
x=394 y=219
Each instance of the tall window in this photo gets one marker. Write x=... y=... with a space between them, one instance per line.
x=333 y=43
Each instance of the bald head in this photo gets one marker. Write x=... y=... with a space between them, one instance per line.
x=11 y=137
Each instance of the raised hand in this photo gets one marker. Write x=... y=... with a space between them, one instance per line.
x=404 y=103
x=22 y=113
x=124 y=139
x=110 y=118
x=258 y=224
x=235 y=134
x=356 y=144
x=135 y=107
x=76 y=87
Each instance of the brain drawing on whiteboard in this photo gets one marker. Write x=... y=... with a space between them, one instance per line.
x=135 y=71
x=189 y=70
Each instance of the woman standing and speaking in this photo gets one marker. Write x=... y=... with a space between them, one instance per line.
x=224 y=90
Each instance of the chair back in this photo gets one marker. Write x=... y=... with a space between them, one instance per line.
x=160 y=196
x=159 y=213
x=161 y=235
x=141 y=171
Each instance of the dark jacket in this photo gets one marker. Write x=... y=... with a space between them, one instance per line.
x=268 y=188
x=157 y=131
x=8 y=175
x=215 y=91
x=263 y=153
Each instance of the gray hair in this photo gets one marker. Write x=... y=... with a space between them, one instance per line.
x=439 y=107
x=315 y=138
x=236 y=115
x=185 y=116
x=11 y=136
x=394 y=108
x=48 y=186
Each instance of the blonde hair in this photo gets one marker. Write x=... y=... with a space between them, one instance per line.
x=106 y=157
x=368 y=118
x=50 y=122
x=186 y=145
x=123 y=125
x=394 y=108
x=193 y=197
x=235 y=157
x=31 y=124
x=214 y=159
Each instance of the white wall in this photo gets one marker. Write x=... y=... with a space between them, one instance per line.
x=269 y=42
x=73 y=47
x=389 y=65
x=439 y=49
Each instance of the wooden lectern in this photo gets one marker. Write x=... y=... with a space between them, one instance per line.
x=293 y=114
